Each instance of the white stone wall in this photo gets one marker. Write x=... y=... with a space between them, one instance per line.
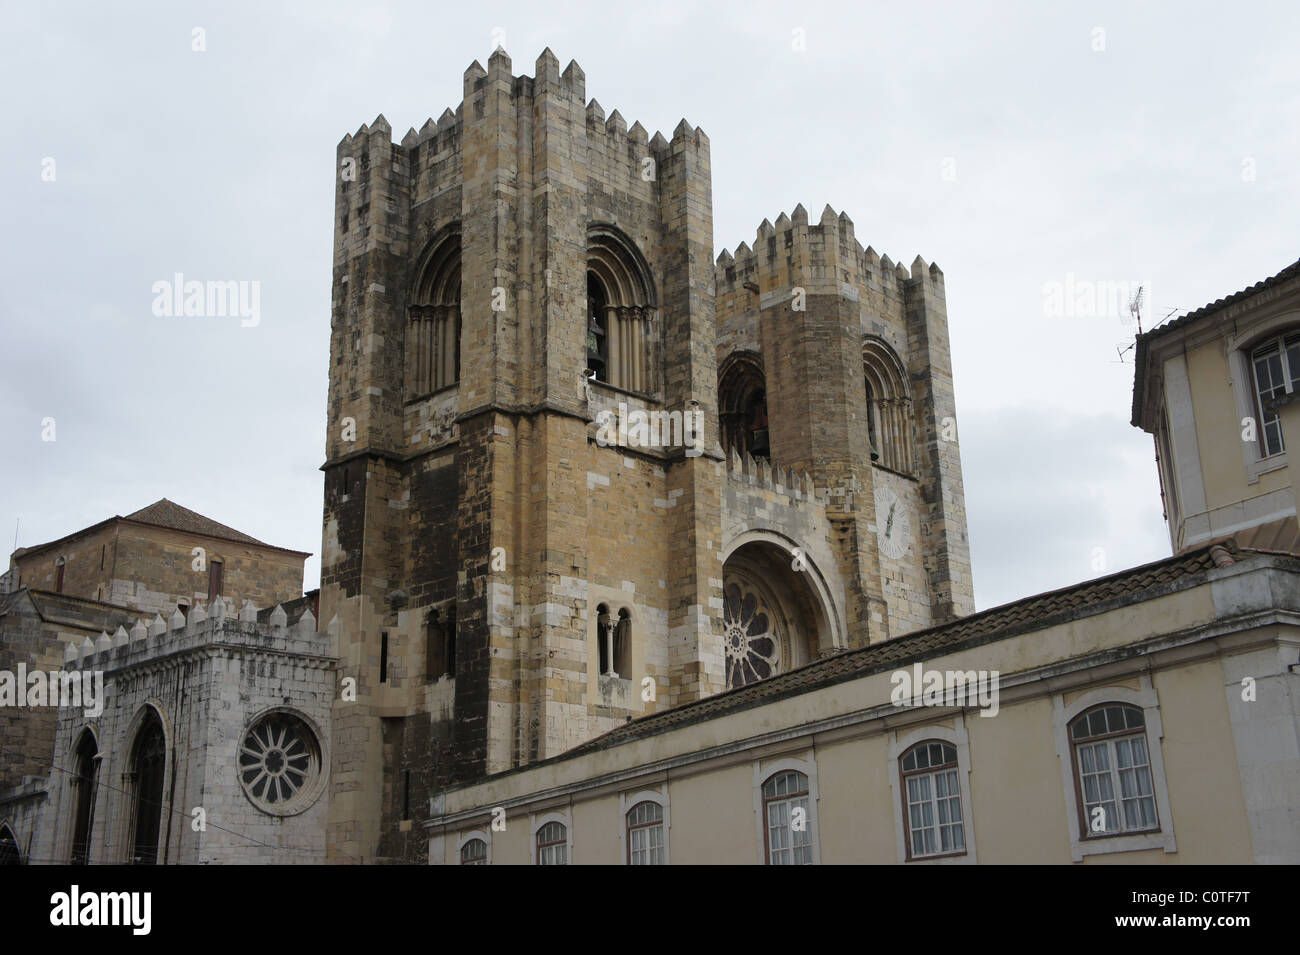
x=208 y=680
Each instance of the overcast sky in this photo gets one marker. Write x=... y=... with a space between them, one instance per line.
x=1017 y=145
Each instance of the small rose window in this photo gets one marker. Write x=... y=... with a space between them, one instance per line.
x=752 y=650
x=278 y=762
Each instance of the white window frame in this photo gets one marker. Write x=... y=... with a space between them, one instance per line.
x=536 y=822
x=1279 y=342
x=1239 y=348
x=765 y=770
x=1108 y=743
x=626 y=802
x=483 y=834
x=900 y=743
x=1148 y=702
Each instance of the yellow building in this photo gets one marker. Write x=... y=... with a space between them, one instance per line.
x=1203 y=388
x=1146 y=717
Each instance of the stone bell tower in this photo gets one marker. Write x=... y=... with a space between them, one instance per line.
x=503 y=279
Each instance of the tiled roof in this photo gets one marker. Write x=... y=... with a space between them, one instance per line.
x=169 y=514
x=1144 y=340
x=1274 y=537
x=1031 y=613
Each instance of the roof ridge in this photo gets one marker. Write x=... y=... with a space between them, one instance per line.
x=169 y=514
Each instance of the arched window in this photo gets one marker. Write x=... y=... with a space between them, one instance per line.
x=742 y=406
x=787 y=830
x=59 y=566
x=433 y=325
x=1112 y=771
x=889 y=407
x=645 y=834
x=10 y=854
x=473 y=852
x=932 y=789
x=621 y=345
x=148 y=762
x=553 y=844
x=1275 y=369
x=85 y=773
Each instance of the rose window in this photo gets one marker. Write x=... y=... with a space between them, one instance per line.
x=278 y=760
x=751 y=645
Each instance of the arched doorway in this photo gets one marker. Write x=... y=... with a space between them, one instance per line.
x=85 y=770
x=773 y=619
x=148 y=763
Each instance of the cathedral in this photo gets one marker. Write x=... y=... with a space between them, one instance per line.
x=618 y=536
x=507 y=584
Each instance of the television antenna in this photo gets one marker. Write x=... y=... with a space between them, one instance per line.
x=1135 y=306
x=1134 y=309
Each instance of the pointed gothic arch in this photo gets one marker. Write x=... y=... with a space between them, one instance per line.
x=10 y=852
x=83 y=784
x=889 y=407
x=433 y=323
x=147 y=768
x=742 y=405
x=621 y=332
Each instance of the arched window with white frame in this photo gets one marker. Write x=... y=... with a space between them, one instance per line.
x=552 y=841
x=474 y=852
x=931 y=786
x=786 y=825
x=1108 y=741
x=646 y=842
x=1112 y=767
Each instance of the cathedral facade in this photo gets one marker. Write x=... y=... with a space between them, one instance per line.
x=508 y=573
x=631 y=554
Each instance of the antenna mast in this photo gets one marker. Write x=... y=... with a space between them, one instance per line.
x=1135 y=307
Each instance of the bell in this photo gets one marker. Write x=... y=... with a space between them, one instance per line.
x=760 y=447
x=875 y=455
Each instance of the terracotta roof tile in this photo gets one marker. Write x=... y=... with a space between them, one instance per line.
x=165 y=513
x=1031 y=613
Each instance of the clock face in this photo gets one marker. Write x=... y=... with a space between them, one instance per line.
x=893 y=526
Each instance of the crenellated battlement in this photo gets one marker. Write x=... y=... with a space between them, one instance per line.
x=148 y=640
x=794 y=251
x=549 y=82
x=381 y=181
x=762 y=473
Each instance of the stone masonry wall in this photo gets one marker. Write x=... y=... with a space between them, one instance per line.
x=209 y=679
